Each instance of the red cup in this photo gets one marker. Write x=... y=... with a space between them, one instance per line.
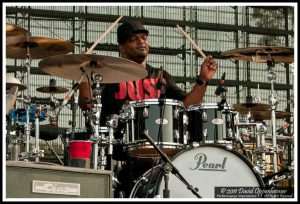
x=80 y=152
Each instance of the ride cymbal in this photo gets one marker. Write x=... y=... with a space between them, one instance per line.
x=37 y=47
x=14 y=30
x=262 y=54
x=50 y=89
x=12 y=81
x=112 y=69
x=246 y=107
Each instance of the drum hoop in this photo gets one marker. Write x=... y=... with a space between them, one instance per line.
x=155 y=101
x=206 y=106
x=148 y=145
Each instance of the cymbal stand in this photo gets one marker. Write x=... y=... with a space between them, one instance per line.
x=273 y=102
x=36 y=151
x=111 y=123
x=27 y=101
x=261 y=131
x=96 y=112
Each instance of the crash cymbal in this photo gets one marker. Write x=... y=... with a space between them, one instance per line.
x=39 y=47
x=261 y=54
x=14 y=30
x=246 y=107
x=267 y=115
x=112 y=69
x=54 y=90
x=12 y=81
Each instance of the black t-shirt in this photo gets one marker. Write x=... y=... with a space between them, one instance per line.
x=114 y=96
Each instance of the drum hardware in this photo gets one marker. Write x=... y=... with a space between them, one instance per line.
x=96 y=112
x=170 y=168
x=274 y=177
x=112 y=124
x=273 y=102
x=261 y=131
x=36 y=151
x=15 y=138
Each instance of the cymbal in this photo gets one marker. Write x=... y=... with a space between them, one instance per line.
x=14 y=30
x=112 y=69
x=54 y=90
x=12 y=81
x=246 y=107
x=267 y=115
x=260 y=54
x=39 y=47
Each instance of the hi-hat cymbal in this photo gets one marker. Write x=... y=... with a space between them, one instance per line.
x=14 y=30
x=267 y=115
x=246 y=107
x=261 y=54
x=112 y=69
x=38 y=47
x=54 y=90
x=12 y=81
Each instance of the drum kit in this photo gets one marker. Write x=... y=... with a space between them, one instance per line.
x=198 y=144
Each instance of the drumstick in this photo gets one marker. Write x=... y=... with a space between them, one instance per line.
x=193 y=43
x=104 y=34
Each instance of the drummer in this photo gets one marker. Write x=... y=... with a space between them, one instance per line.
x=133 y=45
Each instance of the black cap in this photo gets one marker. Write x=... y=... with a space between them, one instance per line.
x=128 y=28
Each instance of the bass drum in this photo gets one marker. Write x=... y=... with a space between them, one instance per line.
x=204 y=167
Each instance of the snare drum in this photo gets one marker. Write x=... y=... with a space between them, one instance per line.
x=208 y=124
x=164 y=120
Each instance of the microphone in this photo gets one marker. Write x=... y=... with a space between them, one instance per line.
x=281 y=130
x=11 y=98
x=160 y=85
x=220 y=88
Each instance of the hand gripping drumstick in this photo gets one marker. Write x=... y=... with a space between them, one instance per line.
x=193 y=43
x=104 y=34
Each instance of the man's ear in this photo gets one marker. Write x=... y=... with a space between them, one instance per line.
x=121 y=48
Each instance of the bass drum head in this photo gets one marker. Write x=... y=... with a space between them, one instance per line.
x=205 y=168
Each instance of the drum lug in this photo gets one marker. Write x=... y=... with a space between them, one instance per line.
x=176 y=135
x=204 y=116
x=145 y=113
x=176 y=113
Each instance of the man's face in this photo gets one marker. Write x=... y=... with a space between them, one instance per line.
x=136 y=47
